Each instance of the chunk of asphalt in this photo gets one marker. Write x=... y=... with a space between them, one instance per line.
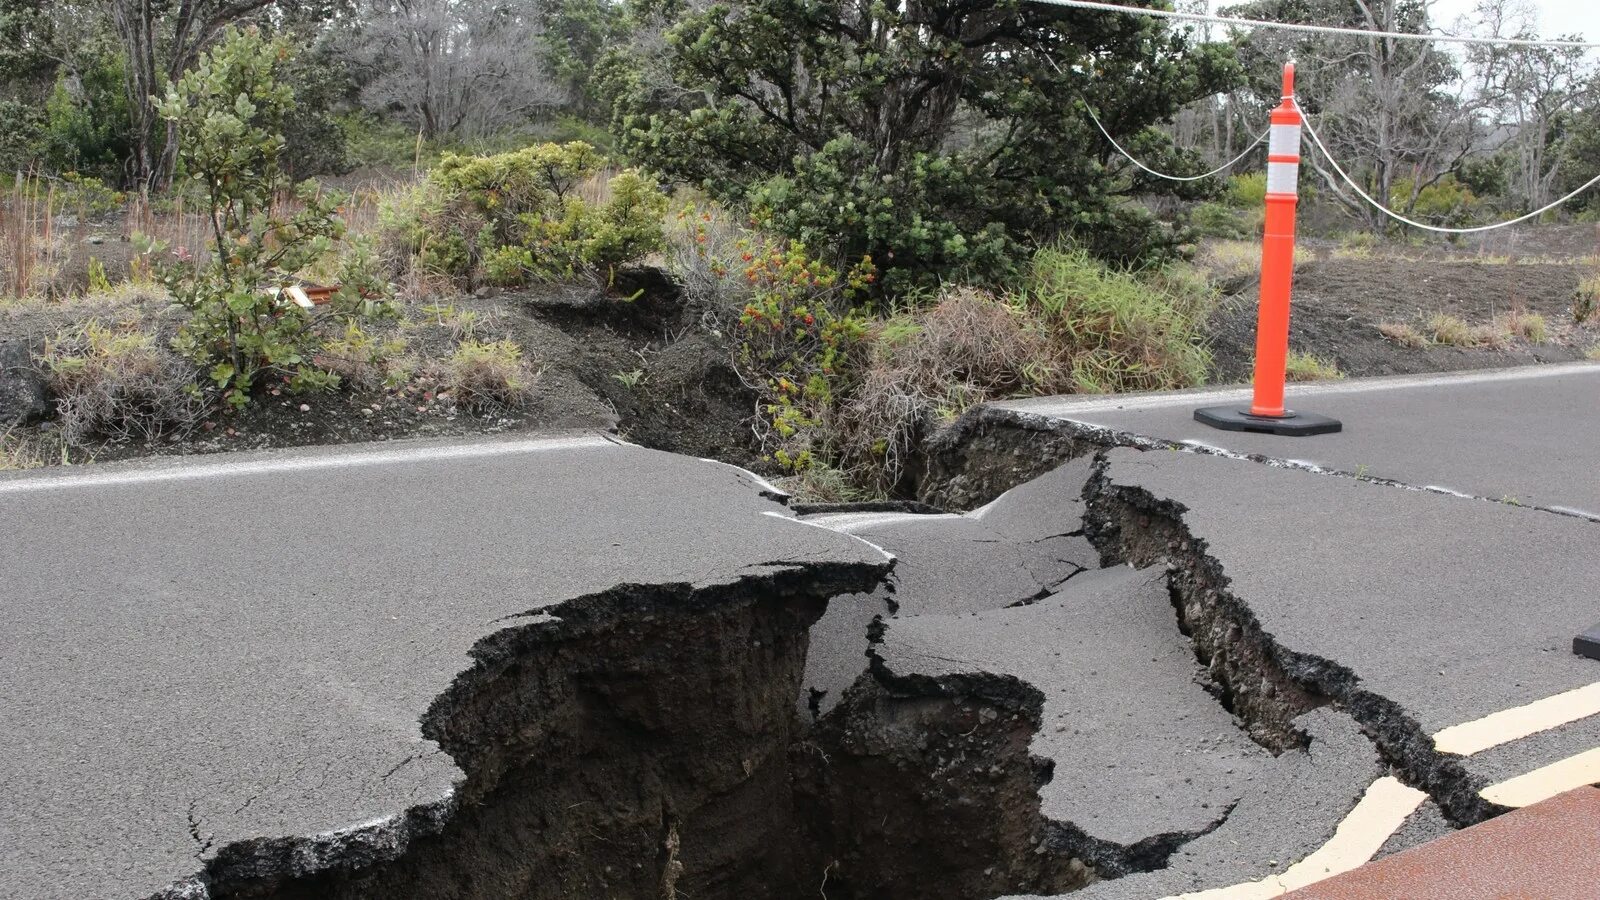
x=1143 y=757
x=1588 y=643
x=1426 y=824
x=1287 y=811
x=202 y=653
x=1415 y=610
x=945 y=563
x=1045 y=507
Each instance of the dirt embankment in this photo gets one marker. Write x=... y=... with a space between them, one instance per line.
x=1340 y=301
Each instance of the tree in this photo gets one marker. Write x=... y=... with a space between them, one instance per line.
x=1393 y=111
x=228 y=112
x=1534 y=94
x=466 y=67
x=937 y=136
x=161 y=39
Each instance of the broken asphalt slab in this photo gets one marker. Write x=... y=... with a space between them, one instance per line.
x=1416 y=610
x=1015 y=550
x=1142 y=754
x=204 y=652
x=1526 y=436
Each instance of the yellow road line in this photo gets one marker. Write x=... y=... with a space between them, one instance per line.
x=1542 y=784
x=1381 y=810
x=1514 y=724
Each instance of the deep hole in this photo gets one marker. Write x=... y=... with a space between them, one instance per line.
x=653 y=749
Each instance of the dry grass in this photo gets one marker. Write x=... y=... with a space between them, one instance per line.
x=491 y=375
x=1310 y=367
x=30 y=247
x=29 y=450
x=1404 y=333
x=1594 y=353
x=119 y=382
x=1232 y=265
x=1453 y=331
x=1518 y=323
x=965 y=348
x=1586 y=304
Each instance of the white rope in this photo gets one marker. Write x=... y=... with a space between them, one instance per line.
x=1315 y=139
x=1315 y=29
x=1254 y=144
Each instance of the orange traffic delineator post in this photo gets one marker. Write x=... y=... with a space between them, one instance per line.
x=1266 y=412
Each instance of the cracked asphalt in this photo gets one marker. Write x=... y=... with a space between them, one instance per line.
x=1523 y=435
x=201 y=652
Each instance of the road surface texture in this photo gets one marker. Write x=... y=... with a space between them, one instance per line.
x=1520 y=435
x=1167 y=662
x=202 y=654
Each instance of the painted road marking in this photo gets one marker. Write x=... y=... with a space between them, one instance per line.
x=1544 y=783
x=1058 y=408
x=1388 y=803
x=166 y=470
x=1381 y=810
x=1515 y=724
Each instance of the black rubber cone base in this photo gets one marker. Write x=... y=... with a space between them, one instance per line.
x=1291 y=424
x=1588 y=643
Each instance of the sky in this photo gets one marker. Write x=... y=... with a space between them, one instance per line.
x=1556 y=17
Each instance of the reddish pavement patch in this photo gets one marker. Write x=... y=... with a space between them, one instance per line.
x=1546 y=851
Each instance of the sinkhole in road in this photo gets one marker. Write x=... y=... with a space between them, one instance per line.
x=647 y=744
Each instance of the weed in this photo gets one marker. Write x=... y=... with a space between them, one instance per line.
x=1587 y=301
x=1517 y=323
x=363 y=359
x=1310 y=367
x=1455 y=332
x=119 y=382
x=1116 y=331
x=491 y=375
x=630 y=380
x=1404 y=333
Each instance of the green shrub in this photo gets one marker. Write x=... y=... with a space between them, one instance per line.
x=229 y=111
x=119 y=383
x=1248 y=191
x=1446 y=202
x=800 y=343
x=1219 y=220
x=1117 y=331
x=514 y=217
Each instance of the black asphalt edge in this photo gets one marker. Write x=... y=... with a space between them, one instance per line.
x=266 y=859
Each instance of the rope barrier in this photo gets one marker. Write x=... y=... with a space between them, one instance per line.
x=1254 y=144
x=1317 y=141
x=1316 y=29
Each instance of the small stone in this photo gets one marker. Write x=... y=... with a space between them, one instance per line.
x=305 y=407
x=366 y=411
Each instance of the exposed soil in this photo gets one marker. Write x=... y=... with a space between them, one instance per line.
x=646 y=368
x=1339 y=302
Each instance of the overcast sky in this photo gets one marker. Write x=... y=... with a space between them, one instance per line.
x=1556 y=17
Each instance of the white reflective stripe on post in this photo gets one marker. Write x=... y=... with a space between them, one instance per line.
x=1283 y=178
x=1285 y=141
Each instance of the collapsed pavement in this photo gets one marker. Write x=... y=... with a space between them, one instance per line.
x=1141 y=673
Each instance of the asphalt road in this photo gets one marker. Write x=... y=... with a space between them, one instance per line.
x=199 y=652
x=1528 y=435
x=1453 y=608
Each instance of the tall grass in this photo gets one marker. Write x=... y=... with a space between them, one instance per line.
x=28 y=242
x=1117 y=330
